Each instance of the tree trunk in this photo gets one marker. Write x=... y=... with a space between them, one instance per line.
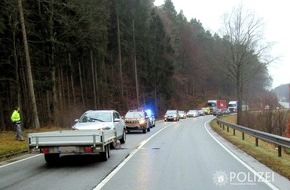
x=93 y=79
x=81 y=84
x=35 y=119
x=72 y=81
x=120 y=60
x=135 y=66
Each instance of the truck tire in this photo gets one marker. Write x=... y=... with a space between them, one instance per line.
x=51 y=159
x=105 y=155
x=123 y=139
x=144 y=130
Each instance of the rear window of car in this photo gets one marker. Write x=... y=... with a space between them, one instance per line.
x=171 y=111
x=135 y=115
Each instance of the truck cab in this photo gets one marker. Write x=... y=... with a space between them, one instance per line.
x=233 y=106
x=217 y=107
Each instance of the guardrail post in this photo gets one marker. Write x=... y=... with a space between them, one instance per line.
x=234 y=132
x=279 y=151
x=257 y=141
x=228 y=129
x=223 y=127
x=243 y=136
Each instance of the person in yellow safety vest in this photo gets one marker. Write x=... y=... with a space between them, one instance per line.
x=16 y=119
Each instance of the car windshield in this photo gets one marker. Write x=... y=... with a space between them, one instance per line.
x=134 y=115
x=96 y=116
x=211 y=104
x=171 y=112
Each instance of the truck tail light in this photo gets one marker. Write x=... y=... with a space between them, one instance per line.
x=88 y=149
x=44 y=150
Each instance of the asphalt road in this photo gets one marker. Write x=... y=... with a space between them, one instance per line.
x=173 y=155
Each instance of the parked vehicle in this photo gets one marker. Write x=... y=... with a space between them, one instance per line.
x=137 y=120
x=151 y=117
x=201 y=112
x=182 y=114
x=206 y=110
x=171 y=115
x=233 y=106
x=192 y=113
x=217 y=107
x=102 y=120
x=94 y=133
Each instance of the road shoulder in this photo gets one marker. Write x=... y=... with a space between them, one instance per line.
x=279 y=181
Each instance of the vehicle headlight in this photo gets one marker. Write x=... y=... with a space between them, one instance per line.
x=142 y=121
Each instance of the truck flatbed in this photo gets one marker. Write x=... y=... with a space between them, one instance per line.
x=54 y=143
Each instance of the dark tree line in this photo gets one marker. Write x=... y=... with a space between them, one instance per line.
x=117 y=54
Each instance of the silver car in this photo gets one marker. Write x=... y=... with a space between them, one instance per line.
x=192 y=113
x=171 y=115
x=182 y=114
x=151 y=117
x=102 y=120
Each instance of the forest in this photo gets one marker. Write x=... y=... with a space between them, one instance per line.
x=59 y=58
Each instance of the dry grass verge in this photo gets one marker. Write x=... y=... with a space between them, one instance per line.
x=265 y=153
x=9 y=146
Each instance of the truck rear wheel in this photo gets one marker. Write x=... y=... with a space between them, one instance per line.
x=105 y=155
x=51 y=159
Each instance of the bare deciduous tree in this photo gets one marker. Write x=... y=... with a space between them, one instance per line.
x=244 y=55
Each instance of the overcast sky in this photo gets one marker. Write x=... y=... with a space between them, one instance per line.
x=275 y=15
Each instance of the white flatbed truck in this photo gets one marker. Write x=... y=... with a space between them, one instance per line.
x=53 y=144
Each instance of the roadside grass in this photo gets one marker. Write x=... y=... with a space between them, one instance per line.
x=265 y=152
x=9 y=146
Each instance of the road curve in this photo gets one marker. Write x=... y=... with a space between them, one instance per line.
x=185 y=155
x=173 y=155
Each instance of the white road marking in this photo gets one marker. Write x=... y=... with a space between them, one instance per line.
x=115 y=171
x=241 y=161
x=20 y=160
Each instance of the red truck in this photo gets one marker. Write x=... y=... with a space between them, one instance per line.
x=217 y=107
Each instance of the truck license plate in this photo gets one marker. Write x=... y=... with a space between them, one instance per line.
x=67 y=149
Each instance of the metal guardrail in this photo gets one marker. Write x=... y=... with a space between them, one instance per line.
x=275 y=139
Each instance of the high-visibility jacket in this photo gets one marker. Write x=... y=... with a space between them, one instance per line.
x=15 y=116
